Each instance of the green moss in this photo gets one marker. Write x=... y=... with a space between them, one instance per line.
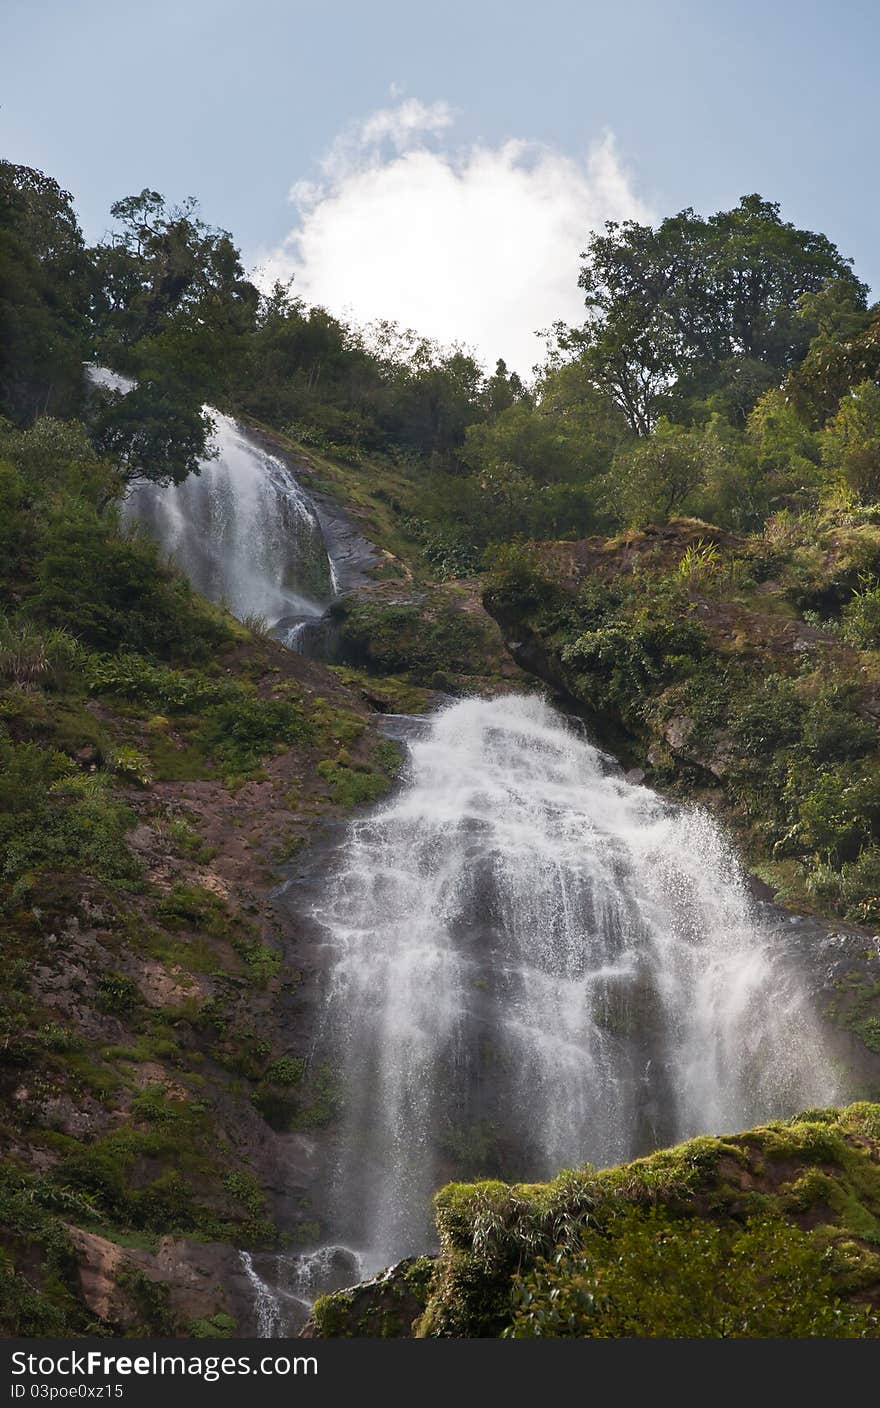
x=354 y=784
x=217 y=1327
x=421 y=640
x=390 y=694
x=384 y=1308
x=650 y=1274
x=801 y=1196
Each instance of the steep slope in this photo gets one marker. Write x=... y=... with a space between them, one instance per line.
x=152 y=1060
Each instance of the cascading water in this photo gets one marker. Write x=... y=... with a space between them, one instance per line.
x=538 y=964
x=243 y=529
x=535 y=963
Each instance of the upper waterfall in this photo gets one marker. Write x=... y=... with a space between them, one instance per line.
x=243 y=529
x=538 y=964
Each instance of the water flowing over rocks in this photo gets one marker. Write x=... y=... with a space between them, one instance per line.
x=536 y=963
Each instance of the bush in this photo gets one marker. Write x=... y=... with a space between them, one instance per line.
x=851 y=442
x=770 y=720
x=244 y=727
x=29 y=656
x=53 y=817
x=652 y=1275
x=860 y=618
x=840 y=813
x=110 y=589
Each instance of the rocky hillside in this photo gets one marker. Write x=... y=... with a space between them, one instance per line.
x=156 y=1112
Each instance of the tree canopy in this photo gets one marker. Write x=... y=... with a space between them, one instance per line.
x=684 y=309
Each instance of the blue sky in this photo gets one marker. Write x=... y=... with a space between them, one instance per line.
x=679 y=103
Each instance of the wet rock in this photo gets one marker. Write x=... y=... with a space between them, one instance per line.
x=385 y=1307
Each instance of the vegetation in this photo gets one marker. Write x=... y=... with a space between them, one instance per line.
x=677 y=524
x=736 y=670
x=769 y=1233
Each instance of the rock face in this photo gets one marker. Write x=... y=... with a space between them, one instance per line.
x=168 y=1291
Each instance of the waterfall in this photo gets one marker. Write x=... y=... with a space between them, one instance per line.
x=268 y=1311
x=283 y=1287
x=243 y=530
x=537 y=964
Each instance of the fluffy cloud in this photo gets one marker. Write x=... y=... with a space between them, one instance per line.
x=477 y=245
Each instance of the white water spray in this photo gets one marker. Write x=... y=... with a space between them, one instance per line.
x=539 y=964
x=243 y=530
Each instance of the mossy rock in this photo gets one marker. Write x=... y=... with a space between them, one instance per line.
x=808 y=1188
x=385 y=1307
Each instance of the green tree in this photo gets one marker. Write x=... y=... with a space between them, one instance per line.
x=851 y=442
x=839 y=358
x=654 y=478
x=44 y=297
x=682 y=306
x=155 y=432
x=503 y=389
x=170 y=298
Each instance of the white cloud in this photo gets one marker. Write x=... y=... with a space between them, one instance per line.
x=478 y=245
x=402 y=124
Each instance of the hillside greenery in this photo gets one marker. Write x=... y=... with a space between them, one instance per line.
x=676 y=522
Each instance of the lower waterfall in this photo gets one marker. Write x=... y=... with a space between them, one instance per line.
x=537 y=964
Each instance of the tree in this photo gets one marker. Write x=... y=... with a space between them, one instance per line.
x=154 y=432
x=170 y=294
x=688 y=301
x=44 y=292
x=654 y=478
x=502 y=390
x=844 y=353
x=851 y=442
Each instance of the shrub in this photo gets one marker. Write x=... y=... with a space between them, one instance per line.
x=244 y=727
x=286 y=1070
x=653 y=1275
x=52 y=817
x=770 y=720
x=860 y=618
x=840 y=813
x=110 y=589
x=28 y=656
x=851 y=442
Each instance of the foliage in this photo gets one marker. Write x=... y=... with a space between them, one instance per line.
x=390 y=638
x=153 y=432
x=770 y=1232
x=673 y=310
x=860 y=617
x=851 y=442
x=29 y=656
x=657 y=476
x=109 y=587
x=44 y=297
x=52 y=817
x=650 y=1274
